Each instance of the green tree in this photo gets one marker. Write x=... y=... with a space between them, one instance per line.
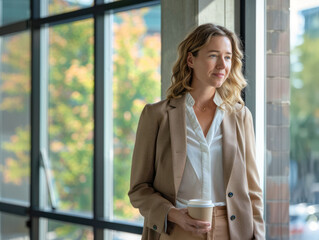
x=304 y=109
x=15 y=97
x=70 y=113
x=136 y=81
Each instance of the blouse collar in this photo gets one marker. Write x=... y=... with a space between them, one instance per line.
x=190 y=100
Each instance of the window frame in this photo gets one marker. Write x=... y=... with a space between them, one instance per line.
x=254 y=70
x=101 y=170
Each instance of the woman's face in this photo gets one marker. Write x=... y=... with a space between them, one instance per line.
x=212 y=64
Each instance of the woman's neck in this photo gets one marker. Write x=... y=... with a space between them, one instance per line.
x=203 y=96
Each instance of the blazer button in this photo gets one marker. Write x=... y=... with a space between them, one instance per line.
x=230 y=194
x=154 y=227
x=233 y=217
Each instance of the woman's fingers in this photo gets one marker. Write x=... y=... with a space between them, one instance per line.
x=181 y=217
x=198 y=226
x=184 y=210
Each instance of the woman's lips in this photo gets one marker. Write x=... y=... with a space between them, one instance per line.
x=220 y=75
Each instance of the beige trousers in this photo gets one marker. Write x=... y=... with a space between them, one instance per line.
x=219 y=229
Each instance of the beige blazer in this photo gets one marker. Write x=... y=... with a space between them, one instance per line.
x=158 y=164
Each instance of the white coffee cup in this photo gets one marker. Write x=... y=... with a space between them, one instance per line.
x=200 y=209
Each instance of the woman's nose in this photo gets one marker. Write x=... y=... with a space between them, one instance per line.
x=221 y=64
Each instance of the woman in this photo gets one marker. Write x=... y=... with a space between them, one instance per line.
x=199 y=143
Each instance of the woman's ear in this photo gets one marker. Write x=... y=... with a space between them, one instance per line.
x=190 y=59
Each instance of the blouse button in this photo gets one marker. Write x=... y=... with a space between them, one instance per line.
x=230 y=194
x=154 y=227
x=233 y=217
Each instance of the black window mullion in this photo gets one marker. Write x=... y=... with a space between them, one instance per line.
x=98 y=9
x=99 y=120
x=14 y=27
x=35 y=120
x=10 y=208
x=35 y=131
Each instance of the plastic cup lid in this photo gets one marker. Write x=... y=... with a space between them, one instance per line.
x=200 y=203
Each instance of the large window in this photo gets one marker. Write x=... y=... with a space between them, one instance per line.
x=74 y=78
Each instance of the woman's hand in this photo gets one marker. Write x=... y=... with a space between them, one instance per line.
x=180 y=217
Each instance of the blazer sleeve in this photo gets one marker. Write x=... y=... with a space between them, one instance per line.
x=142 y=194
x=255 y=192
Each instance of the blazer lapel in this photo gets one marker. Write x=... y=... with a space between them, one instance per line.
x=177 y=126
x=229 y=145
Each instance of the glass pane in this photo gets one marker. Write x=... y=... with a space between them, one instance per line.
x=53 y=7
x=136 y=81
x=13 y=11
x=70 y=114
x=13 y=227
x=15 y=116
x=115 y=235
x=57 y=230
x=304 y=114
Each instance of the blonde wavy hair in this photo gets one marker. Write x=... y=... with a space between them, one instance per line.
x=181 y=78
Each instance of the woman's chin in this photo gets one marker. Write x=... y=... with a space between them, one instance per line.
x=218 y=84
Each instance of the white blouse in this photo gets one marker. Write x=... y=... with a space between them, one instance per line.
x=203 y=175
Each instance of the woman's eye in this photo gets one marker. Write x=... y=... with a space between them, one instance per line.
x=213 y=55
x=227 y=57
